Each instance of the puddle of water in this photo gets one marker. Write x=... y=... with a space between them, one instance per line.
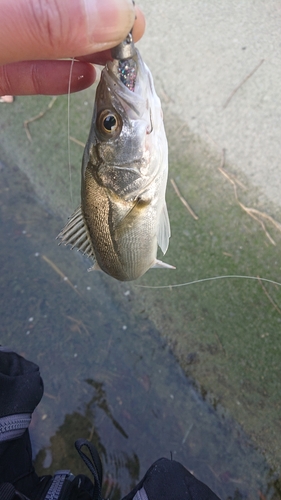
x=109 y=376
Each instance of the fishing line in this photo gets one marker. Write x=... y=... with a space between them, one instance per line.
x=68 y=129
x=234 y=276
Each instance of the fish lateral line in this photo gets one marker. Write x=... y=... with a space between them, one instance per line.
x=213 y=278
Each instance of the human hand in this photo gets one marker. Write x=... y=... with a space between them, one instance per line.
x=35 y=35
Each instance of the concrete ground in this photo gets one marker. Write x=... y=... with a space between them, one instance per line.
x=199 y=53
x=225 y=334
x=217 y=68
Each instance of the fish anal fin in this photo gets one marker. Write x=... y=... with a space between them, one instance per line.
x=76 y=234
x=162 y=265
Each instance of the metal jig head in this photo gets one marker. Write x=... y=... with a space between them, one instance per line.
x=125 y=66
x=125 y=49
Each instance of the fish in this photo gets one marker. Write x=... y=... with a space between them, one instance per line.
x=123 y=216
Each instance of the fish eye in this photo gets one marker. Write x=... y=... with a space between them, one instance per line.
x=109 y=123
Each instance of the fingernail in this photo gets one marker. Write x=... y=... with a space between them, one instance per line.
x=109 y=20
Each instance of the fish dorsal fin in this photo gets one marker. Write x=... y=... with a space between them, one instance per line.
x=164 y=231
x=76 y=234
x=162 y=265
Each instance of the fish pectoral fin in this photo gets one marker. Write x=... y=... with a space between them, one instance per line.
x=162 y=265
x=76 y=234
x=164 y=231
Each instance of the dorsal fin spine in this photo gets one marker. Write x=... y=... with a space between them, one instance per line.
x=76 y=234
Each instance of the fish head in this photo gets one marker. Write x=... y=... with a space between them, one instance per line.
x=125 y=121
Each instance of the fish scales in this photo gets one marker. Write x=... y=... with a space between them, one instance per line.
x=123 y=211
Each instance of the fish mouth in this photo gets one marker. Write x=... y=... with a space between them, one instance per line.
x=118 y=90
x=132 y=89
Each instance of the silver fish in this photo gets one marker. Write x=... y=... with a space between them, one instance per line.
x=123 y=214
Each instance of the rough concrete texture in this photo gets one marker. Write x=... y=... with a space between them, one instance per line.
x=200 y=51
x=225 y=334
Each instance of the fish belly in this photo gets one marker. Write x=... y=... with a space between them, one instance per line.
x=123 y=238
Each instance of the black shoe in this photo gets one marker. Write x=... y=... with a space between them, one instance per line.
x=21 y=389
x=170 y=480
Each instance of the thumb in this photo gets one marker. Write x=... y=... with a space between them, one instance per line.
x=50 y=29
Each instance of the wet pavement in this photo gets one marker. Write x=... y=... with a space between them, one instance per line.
x=194 y=370
x=109 y=376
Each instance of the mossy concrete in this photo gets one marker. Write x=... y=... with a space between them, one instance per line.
x=224 y=333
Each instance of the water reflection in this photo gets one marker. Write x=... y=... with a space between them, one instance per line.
x=121 y=468
x=108 y=375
